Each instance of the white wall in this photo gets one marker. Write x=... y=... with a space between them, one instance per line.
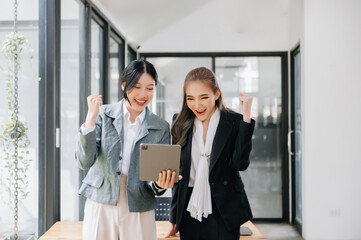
x=295 y=22
x=331 y=119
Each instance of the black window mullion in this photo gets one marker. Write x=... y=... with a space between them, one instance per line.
x=49 y=114
x=121 y=66
x=284 y=131
x=120 y=56
x=84 y=79
x=132 y=54
x=294 y=220
x=214 y=64
x=104 y=63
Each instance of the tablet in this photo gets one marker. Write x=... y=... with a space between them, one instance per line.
x=158 y=157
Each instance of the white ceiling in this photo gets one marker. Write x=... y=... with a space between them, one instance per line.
x=141 y=19
x=201 y=25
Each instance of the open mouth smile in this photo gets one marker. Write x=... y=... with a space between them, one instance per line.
x=140 y=103
x=200 y=113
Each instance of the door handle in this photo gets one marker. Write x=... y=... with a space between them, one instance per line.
x=289 y=143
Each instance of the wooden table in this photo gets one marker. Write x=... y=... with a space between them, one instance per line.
x=72 y=231
x=64 y=230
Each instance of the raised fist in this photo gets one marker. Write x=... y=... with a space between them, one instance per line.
x=94 y=102
x=246 y=105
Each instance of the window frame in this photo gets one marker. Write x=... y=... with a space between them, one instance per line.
x=120 y=55
x=49 y=96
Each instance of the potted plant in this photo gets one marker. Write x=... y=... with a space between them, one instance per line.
x=14 y=141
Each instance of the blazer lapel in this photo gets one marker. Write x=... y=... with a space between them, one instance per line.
x=187 y=156
x=224 y=129
x=118 y=125
x=149 y=122
x=116 y=112
x=143 y=131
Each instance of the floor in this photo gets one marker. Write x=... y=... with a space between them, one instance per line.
x=278 y=231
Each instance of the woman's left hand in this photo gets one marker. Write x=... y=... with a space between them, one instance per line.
x=166 y=179
x=246 y=105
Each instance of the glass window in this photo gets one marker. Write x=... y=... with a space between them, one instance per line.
x=28 y=103
x=96 y=56
x=259 y=77
x=171 y=74
x=69 y=109
x=169 y=92
x=159 y=107
x=114 y=64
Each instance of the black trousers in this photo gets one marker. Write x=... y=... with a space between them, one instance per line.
x=211 y=228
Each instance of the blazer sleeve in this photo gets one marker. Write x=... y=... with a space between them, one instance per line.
x=88 y=146
x=173 y=206
x=243 y=145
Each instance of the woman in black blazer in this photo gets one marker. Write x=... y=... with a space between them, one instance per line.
x=210 y=201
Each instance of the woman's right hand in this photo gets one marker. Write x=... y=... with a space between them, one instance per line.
x=94 y=102
x=172 y=231
x=166 y=179
x=246 y=105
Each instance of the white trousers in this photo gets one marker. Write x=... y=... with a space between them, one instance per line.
x=108 y=222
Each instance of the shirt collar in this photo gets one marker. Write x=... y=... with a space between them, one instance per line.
x=126 y=114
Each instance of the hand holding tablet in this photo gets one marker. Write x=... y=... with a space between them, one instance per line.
x=166 y=179
x=160 y=163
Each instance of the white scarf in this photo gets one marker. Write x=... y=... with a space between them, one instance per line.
x=200 y=203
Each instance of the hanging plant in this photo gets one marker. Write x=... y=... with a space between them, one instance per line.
x=14 y=141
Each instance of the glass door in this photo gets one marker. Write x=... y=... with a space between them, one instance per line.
x=264 y=78
x=295 y=150
x=171 y=74
x=69 y=108
x=260 y=77
x=169 y=92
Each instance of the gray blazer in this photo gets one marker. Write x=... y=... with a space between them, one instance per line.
x=101 y=152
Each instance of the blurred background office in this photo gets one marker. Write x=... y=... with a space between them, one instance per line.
x=299 y=59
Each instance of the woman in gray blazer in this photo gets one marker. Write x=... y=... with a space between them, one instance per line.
x=119 y=205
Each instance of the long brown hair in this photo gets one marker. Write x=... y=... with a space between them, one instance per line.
x=185 y=119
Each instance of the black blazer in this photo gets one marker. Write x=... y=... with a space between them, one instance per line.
x=231 y=147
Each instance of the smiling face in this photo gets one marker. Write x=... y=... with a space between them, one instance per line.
x=201 y=99
x=140 y=95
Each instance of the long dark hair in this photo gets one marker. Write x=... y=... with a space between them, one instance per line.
x=185 y=119
x=132 y=73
